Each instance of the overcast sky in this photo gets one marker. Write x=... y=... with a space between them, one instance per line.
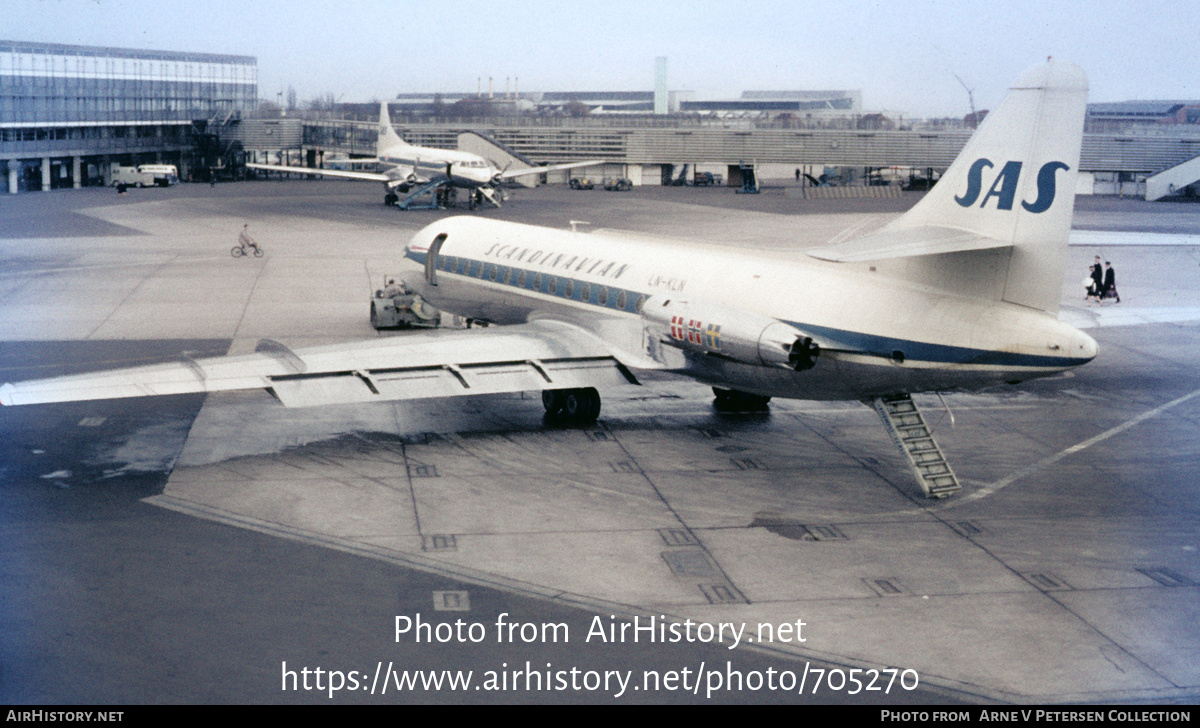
x=903 y=55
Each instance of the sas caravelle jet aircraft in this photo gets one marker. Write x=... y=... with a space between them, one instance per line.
x=960 y=292
x=424 y=169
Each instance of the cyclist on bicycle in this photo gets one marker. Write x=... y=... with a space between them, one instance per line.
x=246 y=241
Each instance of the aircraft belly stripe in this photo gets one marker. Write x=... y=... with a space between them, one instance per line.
x=939 y=353
x=848 y=342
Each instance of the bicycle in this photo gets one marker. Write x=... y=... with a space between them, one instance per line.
x=238 y=251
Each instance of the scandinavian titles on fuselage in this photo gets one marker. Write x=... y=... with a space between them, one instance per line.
x=560 y=261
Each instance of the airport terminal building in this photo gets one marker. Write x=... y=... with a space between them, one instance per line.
x=67 y=113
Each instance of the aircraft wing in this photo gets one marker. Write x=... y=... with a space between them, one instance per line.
x=345 y=173
x=510 y=173
x=533 y=356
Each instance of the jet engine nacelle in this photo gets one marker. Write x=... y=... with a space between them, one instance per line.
x=728 y=332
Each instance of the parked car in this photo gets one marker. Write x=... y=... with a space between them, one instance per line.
x=582 y=183
x=706 y=179
x=618 y=184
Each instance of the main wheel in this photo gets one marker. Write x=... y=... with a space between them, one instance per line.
x=731 y=400
x=581 y=405
x=552 y=400
x=237 y=251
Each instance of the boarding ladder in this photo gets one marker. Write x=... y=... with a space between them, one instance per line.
x=1173 y=180
x=910 y=433
x=429 y=188
x=749 y=178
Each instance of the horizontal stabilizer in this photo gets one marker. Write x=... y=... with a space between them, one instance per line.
x=925 y=240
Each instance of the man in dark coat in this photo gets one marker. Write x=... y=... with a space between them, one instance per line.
x=1110 y=282
x=1097 y=272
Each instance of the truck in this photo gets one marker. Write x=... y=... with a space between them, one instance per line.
x=144 y=175
x=395 y=306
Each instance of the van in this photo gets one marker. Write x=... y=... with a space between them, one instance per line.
x=146 y=175
x=163 y=175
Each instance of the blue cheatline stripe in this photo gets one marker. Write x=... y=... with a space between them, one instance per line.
x=936 y=353
x=623 y=299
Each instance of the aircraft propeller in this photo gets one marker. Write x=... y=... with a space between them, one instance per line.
x=498 y=178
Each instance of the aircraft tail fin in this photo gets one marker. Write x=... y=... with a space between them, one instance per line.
x=1014 y=182
x=387 y=135
x=1012 y=187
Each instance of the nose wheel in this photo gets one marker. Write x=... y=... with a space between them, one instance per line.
x=579 y=406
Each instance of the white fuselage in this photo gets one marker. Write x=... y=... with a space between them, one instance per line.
x=878 y=334
x=421 y=165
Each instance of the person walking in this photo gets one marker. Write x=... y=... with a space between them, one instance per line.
x=1110 y=283
x=1096 y=290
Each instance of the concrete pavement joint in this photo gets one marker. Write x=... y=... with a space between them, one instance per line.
x=1051 y=459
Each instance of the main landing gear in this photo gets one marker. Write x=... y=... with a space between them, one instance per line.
x=731 y=400
x=578 y=406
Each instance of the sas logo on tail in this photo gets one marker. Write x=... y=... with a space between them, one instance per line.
x=1004 y=188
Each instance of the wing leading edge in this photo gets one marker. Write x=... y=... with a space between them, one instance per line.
x=345 y=173
x=534 y=356
x=510 y=173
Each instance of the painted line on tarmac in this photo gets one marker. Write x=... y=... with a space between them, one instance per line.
x=1086 y=238
x=1051 y=459
x=178 y=258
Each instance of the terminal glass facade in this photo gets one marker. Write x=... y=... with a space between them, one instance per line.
x=47 y=84
x=68 y=112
